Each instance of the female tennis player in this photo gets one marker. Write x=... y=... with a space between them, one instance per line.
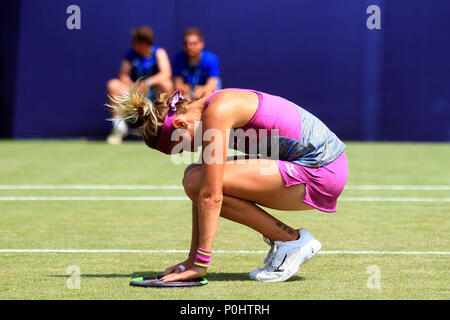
x=308 y=170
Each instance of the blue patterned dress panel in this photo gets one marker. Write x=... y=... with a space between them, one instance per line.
x=317 y=145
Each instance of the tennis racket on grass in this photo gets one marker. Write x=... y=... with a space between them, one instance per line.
x=152 y=282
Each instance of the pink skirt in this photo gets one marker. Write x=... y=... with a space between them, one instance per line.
x=323 y=185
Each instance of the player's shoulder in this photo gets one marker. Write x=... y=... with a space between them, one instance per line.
x=224 y=97
x=233 y=104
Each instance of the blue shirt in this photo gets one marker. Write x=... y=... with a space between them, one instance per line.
x=142 y=67
x=199 y=74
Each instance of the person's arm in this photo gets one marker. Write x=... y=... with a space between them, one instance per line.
x=215 y=125
x=209 y=87
x=211 y=84
x=124 y=72
x=179 y=65
x=213 y=78
x=179 y=84
x=165 y=70
x=217 y=120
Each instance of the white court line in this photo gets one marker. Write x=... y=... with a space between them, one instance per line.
x=218 y=251
x=93 y=198
x=91 y=187
x=393 y=199
x=397 y=187
x=179 y=187
x=181 y=198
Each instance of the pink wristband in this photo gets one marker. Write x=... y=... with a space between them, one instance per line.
x=203 y=258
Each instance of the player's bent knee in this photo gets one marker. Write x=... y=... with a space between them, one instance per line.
x=190 y=167
x=191 y=181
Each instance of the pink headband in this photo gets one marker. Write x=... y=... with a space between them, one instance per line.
x=165 y=141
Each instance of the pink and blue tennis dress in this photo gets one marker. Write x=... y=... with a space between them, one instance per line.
x=308 y=152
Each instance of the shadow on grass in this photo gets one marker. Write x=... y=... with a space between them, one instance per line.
x=212 y=276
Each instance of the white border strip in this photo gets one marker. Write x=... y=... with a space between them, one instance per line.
x=219 y=251
x=179 y=187
x=174 y=198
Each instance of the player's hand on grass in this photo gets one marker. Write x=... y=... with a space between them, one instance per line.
x=179 y=267
x=192 y=273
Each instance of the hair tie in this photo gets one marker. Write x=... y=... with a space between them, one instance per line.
x=164 y=140
x=177 y=97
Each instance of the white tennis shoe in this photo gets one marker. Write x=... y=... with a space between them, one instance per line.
x=271 y=252
x=285 y=258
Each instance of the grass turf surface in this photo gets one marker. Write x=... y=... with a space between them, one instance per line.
x=162 y=225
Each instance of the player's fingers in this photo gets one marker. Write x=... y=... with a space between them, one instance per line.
x=186 y=275
x=169 y=271
x=166 y=272
x=170 y=277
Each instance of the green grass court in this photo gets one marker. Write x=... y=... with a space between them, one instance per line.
x=408 y=219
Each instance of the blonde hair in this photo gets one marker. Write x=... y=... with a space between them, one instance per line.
x=134 y=107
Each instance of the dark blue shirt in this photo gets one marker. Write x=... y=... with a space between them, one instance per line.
x=199 y=74
x=142 y=67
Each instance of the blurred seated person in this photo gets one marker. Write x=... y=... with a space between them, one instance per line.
x=146 y=61
x=196 y=71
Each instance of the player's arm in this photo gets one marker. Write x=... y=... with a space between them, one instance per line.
x=215 y=125
x=220 y=116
